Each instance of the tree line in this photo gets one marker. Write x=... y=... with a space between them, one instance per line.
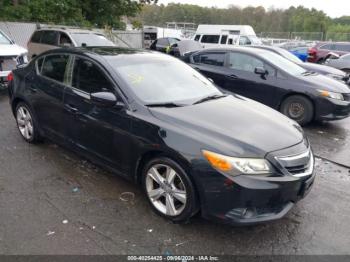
x=96 y=13
x=293 y=19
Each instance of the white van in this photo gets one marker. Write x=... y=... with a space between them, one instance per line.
x=223 y=35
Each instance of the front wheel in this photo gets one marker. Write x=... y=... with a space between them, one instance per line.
x=298 y=108
x=169 y=190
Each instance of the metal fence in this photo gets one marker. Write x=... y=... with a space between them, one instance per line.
x=306 y=36
x=21 y=33
x=335 y=36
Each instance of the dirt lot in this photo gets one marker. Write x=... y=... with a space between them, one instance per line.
x=54 y=202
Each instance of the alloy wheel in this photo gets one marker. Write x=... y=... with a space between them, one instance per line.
x=296 y=110
x=166 y=190
x=25 y=122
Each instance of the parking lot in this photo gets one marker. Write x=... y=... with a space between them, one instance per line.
x=54 y=202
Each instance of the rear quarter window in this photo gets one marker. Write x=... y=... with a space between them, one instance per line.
x=36 y=37
x=54 y=67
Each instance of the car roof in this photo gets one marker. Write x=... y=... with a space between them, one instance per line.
x=245 y=49
x=69 y=30
x=99 y=51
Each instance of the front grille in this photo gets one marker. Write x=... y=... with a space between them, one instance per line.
x=346 y=97
x=298 y=165
x=8 y=63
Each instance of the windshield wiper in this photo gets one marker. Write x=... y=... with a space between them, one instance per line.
x=308 y=73
x=212 y=97
x=170 y=104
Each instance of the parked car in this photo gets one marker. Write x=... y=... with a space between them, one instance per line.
x=341 y=63
x=323 y=50
x=311 y=67
x=211 y=36
x=300 y=52
x=275 y=81
x=45 y=39
x=156 y=121
x=163 y=44
x=184 y=47
x=11 y=56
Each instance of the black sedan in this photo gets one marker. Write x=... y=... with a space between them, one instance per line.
x=311 y=67
x=154 y=120
x=275 y=81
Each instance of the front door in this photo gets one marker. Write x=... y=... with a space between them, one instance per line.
x=100 y=131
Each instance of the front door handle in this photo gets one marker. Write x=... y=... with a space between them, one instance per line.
x=33 y=89
x=71 y=108
x=232 y=76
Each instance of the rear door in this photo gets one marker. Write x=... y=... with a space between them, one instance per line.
x=47 y=89
x=49 y=41
x=99 y=131
x=212 y=65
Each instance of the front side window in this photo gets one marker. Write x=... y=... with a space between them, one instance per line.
x=215 y=59
x=243 y=40
x=54 y=67
x=326 y=47
x=65 y=40
x=49 y=38
x=210 y=39
x=197 y=38
x=248 y=63
x=155 y=79
x=88 y=77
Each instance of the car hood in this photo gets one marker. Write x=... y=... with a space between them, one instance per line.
x=322 y=82
x=12 y=50
x=234 y=125
x=322 y=69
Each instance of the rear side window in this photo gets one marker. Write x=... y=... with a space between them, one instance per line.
x=54 y=67
x=248 y=63
x=36 y=37
x=210 y=39
x=223 y=40
x=89 y=78
x=243 y=40
x=49 y=38
x=197 y=37
x=215 y=59
x=163 y=42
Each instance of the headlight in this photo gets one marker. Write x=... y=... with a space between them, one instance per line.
x=237 y=166
x=332 y=95
x=337 y=77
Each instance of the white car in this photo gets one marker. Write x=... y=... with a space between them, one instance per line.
x=11 y=55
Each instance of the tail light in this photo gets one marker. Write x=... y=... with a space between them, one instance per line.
x=10 y=77
x=312 y=51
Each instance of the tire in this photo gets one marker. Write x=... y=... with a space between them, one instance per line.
x=27 y=124
x=298 y=108
x=169 y=192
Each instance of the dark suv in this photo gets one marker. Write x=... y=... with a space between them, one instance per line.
x=321 y=51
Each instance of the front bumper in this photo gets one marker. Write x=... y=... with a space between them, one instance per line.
x=332 y=109
x=253 y=199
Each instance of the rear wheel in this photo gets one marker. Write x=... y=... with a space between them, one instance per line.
x=298 y=108
x=169 y=190
x=26 y=123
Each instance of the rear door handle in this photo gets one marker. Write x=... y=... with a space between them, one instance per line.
x=71 y=108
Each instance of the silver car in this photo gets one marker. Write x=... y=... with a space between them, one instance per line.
x=45 y=39
x=342 y=63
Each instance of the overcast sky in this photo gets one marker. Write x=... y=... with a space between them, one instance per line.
x=333 y=8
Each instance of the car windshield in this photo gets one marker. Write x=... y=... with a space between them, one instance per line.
x=289 y=56
x=91 y=39
x=159 y=79
x=283 y=63
x=4 y=40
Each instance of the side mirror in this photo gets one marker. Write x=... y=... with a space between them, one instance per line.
x=261 y=71
x=104 y=99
